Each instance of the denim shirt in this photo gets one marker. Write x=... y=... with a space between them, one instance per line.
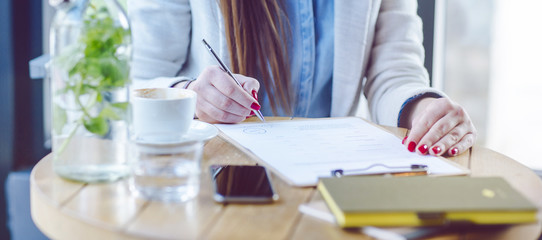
x=310 y=52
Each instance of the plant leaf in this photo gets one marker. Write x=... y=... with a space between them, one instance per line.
x=115 y=111
x=97 y=125
x=121 y=105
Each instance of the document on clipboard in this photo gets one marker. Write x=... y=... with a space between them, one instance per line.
x=301 y=151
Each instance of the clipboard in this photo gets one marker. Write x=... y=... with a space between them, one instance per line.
x=303 y=164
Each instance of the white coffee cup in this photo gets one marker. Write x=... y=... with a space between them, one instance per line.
x=162 y=114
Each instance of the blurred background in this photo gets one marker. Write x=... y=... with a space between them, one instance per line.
x=491 y=62
x=484 y=54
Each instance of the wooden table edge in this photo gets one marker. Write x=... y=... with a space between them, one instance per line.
x=42 y=206
x=47 y=216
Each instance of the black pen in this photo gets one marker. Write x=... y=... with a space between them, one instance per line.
x=227 y=70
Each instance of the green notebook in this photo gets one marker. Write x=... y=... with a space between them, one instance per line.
x=420 y=201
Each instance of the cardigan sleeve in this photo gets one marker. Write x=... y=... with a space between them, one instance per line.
x=161 y=36
x=395 y=70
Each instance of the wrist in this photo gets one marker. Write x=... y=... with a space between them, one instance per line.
x=414 y=107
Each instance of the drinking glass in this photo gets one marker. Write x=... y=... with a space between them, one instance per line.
x=166 y=172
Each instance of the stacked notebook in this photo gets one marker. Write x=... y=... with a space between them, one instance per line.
x=422 y=201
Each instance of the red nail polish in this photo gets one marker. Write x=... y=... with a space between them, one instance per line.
x=454 y=151
x=250 y=115
x=423 y=149
x=255 y=94
x=436 y=150
x=411 y=146
x=404 y=139
x=255 y=106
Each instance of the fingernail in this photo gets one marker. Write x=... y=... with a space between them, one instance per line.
x=423 y=149
x=255 y=94
x=251 y=114
x=255 y=106
x=454 y=151
x=436 y=150
x=404 y=139
x=411 y=146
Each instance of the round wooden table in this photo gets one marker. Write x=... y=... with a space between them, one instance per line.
x=70 y=210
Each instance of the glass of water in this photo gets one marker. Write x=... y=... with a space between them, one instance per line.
x=167 y=172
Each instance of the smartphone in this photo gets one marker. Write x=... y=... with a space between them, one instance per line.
x=242 y=184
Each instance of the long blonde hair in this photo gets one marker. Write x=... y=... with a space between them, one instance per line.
x=257 y=33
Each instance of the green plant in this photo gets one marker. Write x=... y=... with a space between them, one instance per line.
x=96 y=64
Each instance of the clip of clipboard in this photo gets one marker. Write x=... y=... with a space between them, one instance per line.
x=412 y=170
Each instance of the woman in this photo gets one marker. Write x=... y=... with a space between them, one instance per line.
x=303 y=58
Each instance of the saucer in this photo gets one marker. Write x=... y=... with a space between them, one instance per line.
x=198 y=131
x=201 y=131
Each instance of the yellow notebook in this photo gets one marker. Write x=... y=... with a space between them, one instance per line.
x=421 y=201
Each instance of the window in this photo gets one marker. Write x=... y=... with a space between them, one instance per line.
x=491 y=66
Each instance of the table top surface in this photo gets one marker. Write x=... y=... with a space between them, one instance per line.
x=71 y=210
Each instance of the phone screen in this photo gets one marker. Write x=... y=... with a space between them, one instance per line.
x=242 y=183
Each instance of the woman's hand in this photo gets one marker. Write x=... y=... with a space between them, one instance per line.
x=439 y=126
x=221 y=100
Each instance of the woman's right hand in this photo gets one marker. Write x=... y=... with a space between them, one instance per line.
x=221 y=100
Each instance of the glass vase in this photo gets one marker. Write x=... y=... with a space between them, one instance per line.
x=91 y=51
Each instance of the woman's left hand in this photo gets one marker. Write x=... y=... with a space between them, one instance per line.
x=439 y=126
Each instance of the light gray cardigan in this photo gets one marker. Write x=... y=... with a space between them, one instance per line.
x=376 y=40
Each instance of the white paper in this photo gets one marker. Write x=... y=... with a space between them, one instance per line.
x=318 y=209
x=304 y=150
